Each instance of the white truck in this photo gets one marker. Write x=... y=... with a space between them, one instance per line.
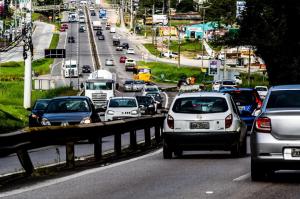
x=81 y=19
x=70 y=68
x=96 y=25
x=100 y=87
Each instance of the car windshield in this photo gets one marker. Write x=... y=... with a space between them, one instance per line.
x=151 y=89
x=99 y=85
x=156 y=96
x=128 y=82
x=261 y=89
x=138 y=82
x=122 y=102
x=41 y=104
x=200 y=105
x=243 y=98
x=284 y=99
x=68 y=105
x=144 y=100
x=228 y=83
x=71 y=66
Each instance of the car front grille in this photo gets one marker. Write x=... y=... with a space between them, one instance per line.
x=99 y=98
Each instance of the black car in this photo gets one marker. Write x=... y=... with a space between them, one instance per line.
x=86 y=68
x=34 y=119
x=147 y=105
x=98 y=33
x=71 y=39
x=101 y=37
x=125 y=45
x=82 y=28
x=70 y=110
x=157 y=97
x=93 y=13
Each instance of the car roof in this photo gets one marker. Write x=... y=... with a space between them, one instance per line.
x=124 y=97
x=286 y=87
x=201 y=93
x=236 y=89
x=70 y=97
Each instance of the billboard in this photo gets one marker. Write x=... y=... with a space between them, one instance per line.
x=214 y=66
x=240 y=7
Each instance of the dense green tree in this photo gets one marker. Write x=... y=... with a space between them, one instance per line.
x=185 y=6
x=272 y=27
x=223 y=11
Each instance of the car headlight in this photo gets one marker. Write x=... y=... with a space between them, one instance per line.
x=151 y=106
x=86 y=120
x=45 y=122
x=134 y=112
x=110 y=112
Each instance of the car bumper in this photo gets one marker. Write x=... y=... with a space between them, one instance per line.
x=201 y=141
x=268 y=150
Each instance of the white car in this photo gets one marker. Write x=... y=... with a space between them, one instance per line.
x=150 y=89
x=112 y=30
x=223 y=83
x=130 y=51
x=204 y=57
x=109 y=62
x=262 y=91
x=203 y=121
x=122 y=108
x=170 y=54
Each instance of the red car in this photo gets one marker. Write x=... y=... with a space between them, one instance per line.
x=64 y=25
x=123 y=59
x=62 y=29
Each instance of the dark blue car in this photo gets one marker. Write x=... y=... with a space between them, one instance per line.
x=247 y=100
x=70 y=110
x=34 y=119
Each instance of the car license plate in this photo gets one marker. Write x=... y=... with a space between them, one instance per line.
x=199 y=125
x=295 y=152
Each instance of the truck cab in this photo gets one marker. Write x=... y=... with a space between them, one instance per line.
x=70 y=68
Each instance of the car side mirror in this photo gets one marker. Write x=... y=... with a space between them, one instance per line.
x=257 y=112
x=141 y=106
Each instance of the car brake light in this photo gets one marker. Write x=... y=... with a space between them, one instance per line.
x=228 y=121
x=263 y=124
x=170 y=122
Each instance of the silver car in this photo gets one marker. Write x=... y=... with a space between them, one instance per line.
x=275 y=137
x=138 y=85
x=128 y=85
x=203 y=121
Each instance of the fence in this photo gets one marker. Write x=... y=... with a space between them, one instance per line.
x=31 y=138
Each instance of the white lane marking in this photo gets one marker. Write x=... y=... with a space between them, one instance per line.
x=167 y=99
x=71 y=177
x=209 y=192
x=242 y=177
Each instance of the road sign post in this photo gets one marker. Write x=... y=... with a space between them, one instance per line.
x=214 y=67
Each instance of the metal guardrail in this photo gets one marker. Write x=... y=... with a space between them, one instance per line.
x=31 y=138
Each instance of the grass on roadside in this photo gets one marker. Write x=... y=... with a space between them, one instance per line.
x=256 y=79
x=54 y=41
x=151 y=48
x=163 y=72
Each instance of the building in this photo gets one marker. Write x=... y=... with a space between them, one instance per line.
x=196 y=31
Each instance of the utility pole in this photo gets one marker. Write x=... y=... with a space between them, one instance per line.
x=131 y=14
x=169 y=20
x=27 y=55
x=249 y=64
x=179 y=45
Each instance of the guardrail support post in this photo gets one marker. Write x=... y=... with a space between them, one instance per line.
x=147 y=137
x=157 y=134
x=98 y=148
x=25 y=161
x=118 y=145
x=133 y=139
x=70 y=153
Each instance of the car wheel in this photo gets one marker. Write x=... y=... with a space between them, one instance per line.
x=258 y=171
x=178 y=153
x=236 y=150
x=167 y=152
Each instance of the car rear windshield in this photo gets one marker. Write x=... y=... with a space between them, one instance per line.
x=284 y=99
x=124 y=102
x=261 y=89
x=200 y=105
x=228 y=83
x=243 y=98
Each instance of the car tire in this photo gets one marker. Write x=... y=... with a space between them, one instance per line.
x=236 y=150
x=258 y=171
x=178 y=153
x=167 y=152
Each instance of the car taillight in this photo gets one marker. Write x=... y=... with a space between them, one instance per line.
x=228 y=121
x=170 y=122
x=263 y=124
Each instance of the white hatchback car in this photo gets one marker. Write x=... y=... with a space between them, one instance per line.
x=130 y=51
x=122 y=108
x=203 y=121
x=109 y=62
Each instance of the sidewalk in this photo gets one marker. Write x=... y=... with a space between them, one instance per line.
x=41 y=39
